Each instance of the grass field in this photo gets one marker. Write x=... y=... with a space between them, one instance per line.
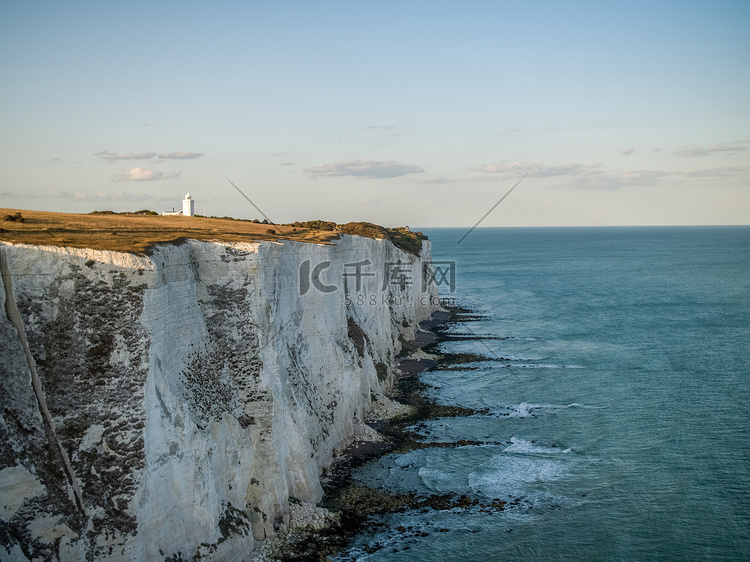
x=138 y=233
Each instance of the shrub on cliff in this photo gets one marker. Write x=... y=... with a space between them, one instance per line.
x=400 y=237
x=17 y=217
x=327 y=226
x=364 y=229
x=407 y=240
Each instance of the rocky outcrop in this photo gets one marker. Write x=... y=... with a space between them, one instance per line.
x=168 y=406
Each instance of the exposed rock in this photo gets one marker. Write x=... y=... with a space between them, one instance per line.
x=189 y=393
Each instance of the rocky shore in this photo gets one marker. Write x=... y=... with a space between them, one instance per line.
x=347 y=509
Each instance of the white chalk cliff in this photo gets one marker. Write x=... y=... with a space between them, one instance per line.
x=167 y=406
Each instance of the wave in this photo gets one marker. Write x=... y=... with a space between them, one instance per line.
x=512 y=474
x=438 y=480
x=541 y=365
x=525 y=409
x=524 y=447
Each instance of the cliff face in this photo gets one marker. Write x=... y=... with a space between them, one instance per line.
x=169 y=405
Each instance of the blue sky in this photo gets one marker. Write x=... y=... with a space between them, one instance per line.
x=420 y=113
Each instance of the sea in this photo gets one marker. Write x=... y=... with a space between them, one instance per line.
x=613 y=410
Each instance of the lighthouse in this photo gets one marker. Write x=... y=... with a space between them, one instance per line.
x=188 y=206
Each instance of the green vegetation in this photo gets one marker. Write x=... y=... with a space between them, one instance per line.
x=16 y=217
x=406 y=239
x=140 y=231
x=148 y=212
x=326 y=226
x=401 y=237
x=233 y=521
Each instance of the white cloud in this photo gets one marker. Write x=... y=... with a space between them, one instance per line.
x=363 y=169
x=612 y=180
x=437 y=181
x=724 y=172
x=143 y=174
x=594 y=176
x=535 y=169
x=697 y=152
x=111 y=156
x=180 y=155
x=102 y=197
x=627 y=151
x=120 y=197
x=16 y=195
x=577 y=175
x=617 y=179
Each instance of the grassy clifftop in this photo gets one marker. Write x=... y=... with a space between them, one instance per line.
x=400 y=237
x=138 y=233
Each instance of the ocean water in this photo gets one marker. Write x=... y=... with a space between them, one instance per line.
x=617 y=401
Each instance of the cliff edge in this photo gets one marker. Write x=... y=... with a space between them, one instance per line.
x=167 y=406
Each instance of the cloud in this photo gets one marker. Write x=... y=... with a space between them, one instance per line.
x=16 y=195
x=611 y=180
x=143 y=174
x=286 y=164
x=535 y=169
x=618 y=179
x=111 y=156
x=180 y=155
x=724 y=172
x=627 y=151
x=437 y=181
x=575 y=175
x=363 y=169
x=102 y=197
x=380 y=127
x=698 y=152
x=119 y=197
x=595 y=176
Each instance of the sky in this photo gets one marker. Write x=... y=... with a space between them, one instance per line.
x=420 y=113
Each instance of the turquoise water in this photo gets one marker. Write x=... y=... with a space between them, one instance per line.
x=621 y=401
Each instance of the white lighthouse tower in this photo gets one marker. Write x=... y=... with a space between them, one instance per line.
x=188 y=206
